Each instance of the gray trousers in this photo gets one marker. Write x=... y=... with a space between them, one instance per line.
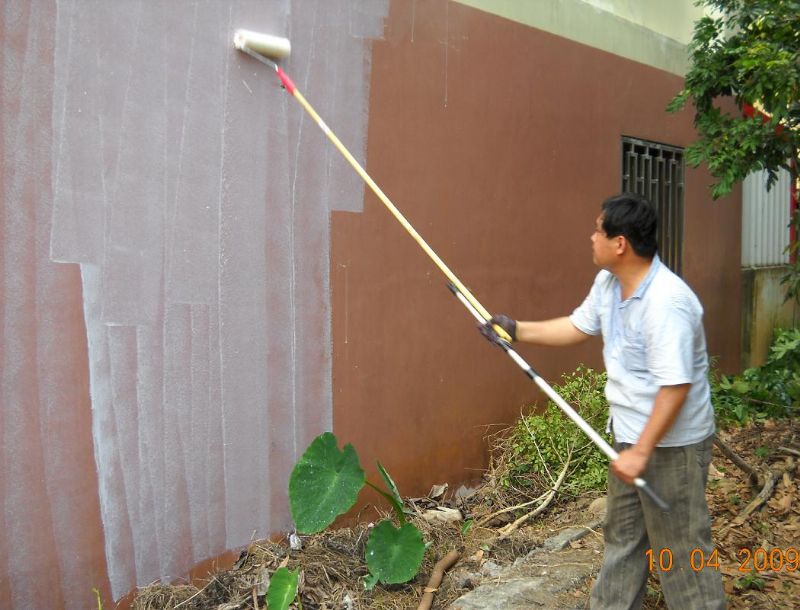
x=639 y=538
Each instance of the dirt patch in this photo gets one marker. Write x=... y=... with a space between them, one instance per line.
x=757 y=552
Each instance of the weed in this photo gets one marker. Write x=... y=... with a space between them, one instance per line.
x=768 y=391
x=750 y=581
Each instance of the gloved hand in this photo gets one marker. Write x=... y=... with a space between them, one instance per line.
x=504 y=322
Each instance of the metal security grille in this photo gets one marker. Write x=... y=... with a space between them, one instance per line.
x=656 y=171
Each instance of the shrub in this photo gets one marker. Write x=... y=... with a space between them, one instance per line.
x=768 y=391
x=541 y=442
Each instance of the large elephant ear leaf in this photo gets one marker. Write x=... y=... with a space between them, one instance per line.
x=394 y=555
x=282 y=589
x=324 y=484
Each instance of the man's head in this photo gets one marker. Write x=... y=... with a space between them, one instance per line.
x=624 y=231
x=633 y=217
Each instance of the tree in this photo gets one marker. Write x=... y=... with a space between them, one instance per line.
x=747 y=51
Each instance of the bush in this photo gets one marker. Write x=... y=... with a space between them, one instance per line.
x=540 y=443
x=768 y=391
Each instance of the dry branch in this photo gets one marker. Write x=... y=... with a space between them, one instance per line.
x=761 y=498
x=509 y=509
x=507 y=530
x=789 y=451
x=756 y=479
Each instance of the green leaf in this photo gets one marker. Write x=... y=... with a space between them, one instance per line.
x=394 y=555
x=741 y=387
x=324 y=484
x=370 y=580
x=396 y=500
x=398 y=509
x=390 y=484
x=282 y=588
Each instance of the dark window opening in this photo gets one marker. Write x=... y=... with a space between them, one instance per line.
x=656 y=171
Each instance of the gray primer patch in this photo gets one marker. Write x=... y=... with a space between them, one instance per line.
x=196 y=195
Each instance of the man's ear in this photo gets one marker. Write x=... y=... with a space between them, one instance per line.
x=622 y=244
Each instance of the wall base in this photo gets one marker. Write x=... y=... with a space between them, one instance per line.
x=764 y=310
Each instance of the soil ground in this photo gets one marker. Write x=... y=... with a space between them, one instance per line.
x=757 y=550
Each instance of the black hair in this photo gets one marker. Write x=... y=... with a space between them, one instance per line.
x=635 y=218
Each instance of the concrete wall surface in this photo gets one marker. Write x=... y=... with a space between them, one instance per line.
x=764 y=309
x=194 y=283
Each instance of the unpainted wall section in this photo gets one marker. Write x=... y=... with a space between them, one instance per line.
x=499 y=142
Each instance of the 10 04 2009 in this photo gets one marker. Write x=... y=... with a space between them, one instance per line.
x=750 y=560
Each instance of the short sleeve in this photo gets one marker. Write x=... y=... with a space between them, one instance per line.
x=586 y=317
x=671 y=341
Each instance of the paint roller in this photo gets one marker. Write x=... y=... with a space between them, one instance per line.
x=268 y=49
x=263 y=44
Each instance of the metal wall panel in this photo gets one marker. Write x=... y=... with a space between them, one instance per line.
x=765 y=220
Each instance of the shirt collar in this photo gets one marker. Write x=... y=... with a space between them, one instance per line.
x=655 y=264
x=648 y=279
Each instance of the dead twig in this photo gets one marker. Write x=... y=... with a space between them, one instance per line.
x=756 y=479
x=509 y=509
x=199 y=591
x=761 y=498
x=444 y=564
x=507 y=530
x=794 y=452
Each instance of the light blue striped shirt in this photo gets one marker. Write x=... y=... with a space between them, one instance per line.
x=654 y=338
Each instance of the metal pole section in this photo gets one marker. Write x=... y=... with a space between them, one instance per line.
x=291 y=88
x=598 y=440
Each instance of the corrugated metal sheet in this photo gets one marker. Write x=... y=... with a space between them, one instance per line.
x=765 y=220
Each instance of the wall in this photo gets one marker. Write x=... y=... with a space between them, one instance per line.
x=766 y=235
x=166 y=347
x=498 y=141
x=764 y=309
x=194 y=283
x=648 y=31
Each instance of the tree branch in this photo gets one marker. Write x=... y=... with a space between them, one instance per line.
x=755 y=477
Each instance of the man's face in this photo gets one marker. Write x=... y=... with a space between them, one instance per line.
x=603 y=246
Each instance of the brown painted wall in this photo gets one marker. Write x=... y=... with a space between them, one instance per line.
x=498 y=142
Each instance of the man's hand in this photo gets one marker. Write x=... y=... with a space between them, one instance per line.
x=504 y=322
x=630 y=464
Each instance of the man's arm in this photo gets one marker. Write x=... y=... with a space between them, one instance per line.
x=555 y=332
x=669 y=401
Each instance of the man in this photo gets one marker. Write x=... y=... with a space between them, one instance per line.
x=660 y=412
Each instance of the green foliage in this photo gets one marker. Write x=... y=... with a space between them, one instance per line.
x=750 y=581
x=282 y=588
x=393 y=497
x=749 y=53
x=324 y=484
x=768 y=391
x=394 y=555
x=541 y=442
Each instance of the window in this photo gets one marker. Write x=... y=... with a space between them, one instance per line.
x=656 y=171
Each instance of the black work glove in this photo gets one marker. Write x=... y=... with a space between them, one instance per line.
x=504 y=322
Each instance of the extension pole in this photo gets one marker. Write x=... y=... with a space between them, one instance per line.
x=562 y=404
x=292 y=89
x=254 y=44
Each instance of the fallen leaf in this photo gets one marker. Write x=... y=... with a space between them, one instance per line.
x=443 y=514
x=437 y=491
